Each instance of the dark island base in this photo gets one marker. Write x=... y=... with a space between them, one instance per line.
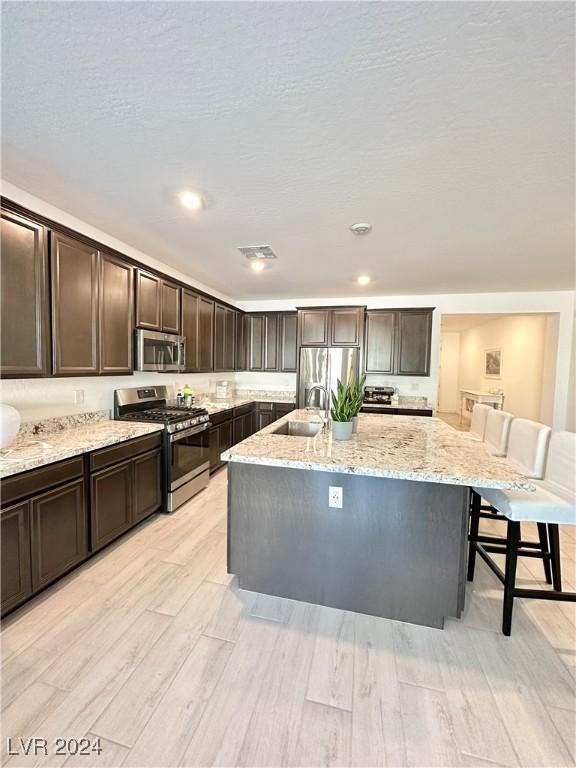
x=396 y=549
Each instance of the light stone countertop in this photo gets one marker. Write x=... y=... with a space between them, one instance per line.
x=31 y=451
x=411 y=406
x=418 y=448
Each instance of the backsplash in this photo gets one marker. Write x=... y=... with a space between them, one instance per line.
x=39 y=399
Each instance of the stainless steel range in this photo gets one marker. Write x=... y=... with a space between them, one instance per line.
x=186 y=439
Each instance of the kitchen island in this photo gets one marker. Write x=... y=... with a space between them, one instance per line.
x=395 y=548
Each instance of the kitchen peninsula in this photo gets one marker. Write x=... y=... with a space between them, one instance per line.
x=394 y=548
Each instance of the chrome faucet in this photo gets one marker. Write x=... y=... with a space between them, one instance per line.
x=326 y=404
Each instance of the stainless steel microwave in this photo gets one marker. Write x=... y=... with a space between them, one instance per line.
x=159 y=351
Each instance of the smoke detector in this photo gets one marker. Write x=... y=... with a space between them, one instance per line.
x=362 y=228
x=257 y=252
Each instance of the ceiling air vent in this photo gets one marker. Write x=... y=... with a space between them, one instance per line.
x=257 y=252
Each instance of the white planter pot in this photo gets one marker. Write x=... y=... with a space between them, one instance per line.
x=9 y=425
x=342 y=430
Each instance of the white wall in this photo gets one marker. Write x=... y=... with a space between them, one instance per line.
x=545 y=302
x=522 y=340
x=449 y=374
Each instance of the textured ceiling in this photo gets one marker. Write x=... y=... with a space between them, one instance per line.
x=449 y=126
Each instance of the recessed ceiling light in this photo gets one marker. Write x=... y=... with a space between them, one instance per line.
x=361 y=228
x=257 y=266
x=363 y=280
x=191 y=200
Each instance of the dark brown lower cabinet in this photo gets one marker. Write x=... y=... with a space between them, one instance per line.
x=111 y=503
x=16 y=580
x=126 y=492
x=59 y=536
x=147 y=484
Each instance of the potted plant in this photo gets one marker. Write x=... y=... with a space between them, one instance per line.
x=342 y=412
x=357 y=395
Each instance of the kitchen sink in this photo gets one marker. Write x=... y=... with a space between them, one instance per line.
x=299 y=428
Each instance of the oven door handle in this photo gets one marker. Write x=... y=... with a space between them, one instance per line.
x=174 y=437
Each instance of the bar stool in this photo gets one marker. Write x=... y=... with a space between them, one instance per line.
x=478 y=424
x=497 y=431
x=553 y=503
x=526 y=452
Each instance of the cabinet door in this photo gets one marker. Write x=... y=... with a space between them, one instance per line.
x=111 y=503
x=240 y=347
x=190 y=326
x=147 y=480
x=265 y=418
x=214 y=448
x=314 y=327
x=170 y=308
x=219 y=338
x=24 y=312
x=347 y=327
x=271 y=348
x=255 y=342
x=148 y=300
x=379 y=342
x=116 y=315
x=413 y=347
x=238 y=430
x=59 y=532
x=248 y=424
x=16 y=579
x=75 y=306
x=226 y=436
x=229 y=339
x=205 y=334
x=288 y=341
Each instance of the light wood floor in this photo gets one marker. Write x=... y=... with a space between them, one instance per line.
x=454 y=420
x=152 y=647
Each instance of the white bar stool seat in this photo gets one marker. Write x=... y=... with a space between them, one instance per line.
x=553 y=503
x=478 y=424
x=497 y=431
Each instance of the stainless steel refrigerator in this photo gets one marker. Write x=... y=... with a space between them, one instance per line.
x=322 y=366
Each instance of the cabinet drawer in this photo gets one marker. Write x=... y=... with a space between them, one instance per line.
x=241 y=410
x=121 y=451
x=38 y=480
x=265 y=406
x=283 y=408
x=221 y=416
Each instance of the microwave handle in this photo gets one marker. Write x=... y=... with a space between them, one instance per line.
x=182 y=355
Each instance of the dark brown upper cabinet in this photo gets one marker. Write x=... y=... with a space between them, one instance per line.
x=346 y=326
x=148 y=300
x=271 y=346
x=224 y=338
x=255 y=338
x=205 y=334
x=288 y=341
x=116 y=315
x=414 y=341
x=398 y=341
x=331 y=327
x=75 y=301
x=190 y=329
x=24 y=308
x=240 y=352
x=314 y=327
x=157 y=303
x=271 y=339
x=380 y=341
x=170 y=308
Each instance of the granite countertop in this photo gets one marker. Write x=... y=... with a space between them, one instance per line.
x=214 y=405
x=411 y=406
x=399 y=447
x=30 y=451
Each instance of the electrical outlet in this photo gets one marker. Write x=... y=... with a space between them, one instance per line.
x=335 y=496
x=78 y=396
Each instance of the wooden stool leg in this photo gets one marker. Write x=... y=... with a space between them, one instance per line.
x=555 y=552
x=474 y=525
x=512 y=541
x=543 y=536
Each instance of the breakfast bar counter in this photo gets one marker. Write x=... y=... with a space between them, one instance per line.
x=377 y=524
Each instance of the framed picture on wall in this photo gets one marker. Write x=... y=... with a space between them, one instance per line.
x=493 y=364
